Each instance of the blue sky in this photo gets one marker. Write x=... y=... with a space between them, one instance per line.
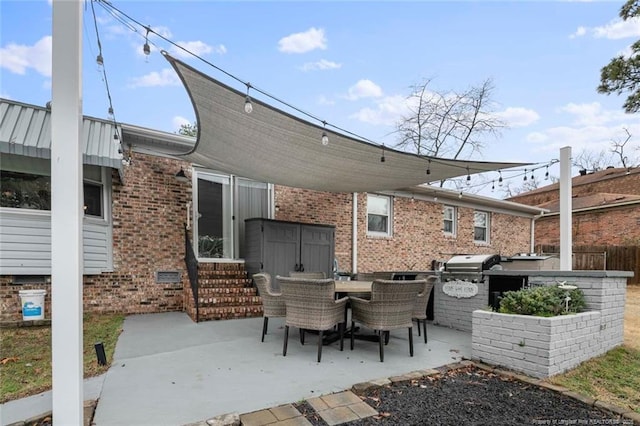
x=350 y=63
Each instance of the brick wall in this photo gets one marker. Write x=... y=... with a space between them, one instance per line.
x=618 y=182
x=612 y=226
x=542 y=347
x=449 y=311
x=417 y=230
x=148 y=215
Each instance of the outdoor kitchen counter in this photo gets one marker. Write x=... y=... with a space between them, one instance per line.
x=568 y=274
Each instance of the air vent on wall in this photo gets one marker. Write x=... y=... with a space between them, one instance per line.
x=168 y=276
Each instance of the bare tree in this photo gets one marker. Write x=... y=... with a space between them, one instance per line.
x=591 y=161
x=448 y=124
x=618 y=149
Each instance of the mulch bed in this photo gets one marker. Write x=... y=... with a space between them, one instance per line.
x=471 y=396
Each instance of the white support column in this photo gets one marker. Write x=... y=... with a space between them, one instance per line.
x=354 y=234
x=566 y=235
x=66 y=213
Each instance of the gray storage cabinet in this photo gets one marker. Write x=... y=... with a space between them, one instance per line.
x=279 y=247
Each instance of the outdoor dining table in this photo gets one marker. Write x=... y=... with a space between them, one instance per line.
x=346 y=287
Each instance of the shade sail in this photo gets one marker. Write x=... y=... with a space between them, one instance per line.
x=271 y=145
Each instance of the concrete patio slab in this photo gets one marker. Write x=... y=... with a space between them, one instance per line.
x=168 y=370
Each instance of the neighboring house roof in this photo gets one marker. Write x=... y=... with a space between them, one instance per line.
x=589 y=178
x=594 y=201
x=26 y=130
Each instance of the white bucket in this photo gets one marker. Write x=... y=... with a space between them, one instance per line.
x=32 y=302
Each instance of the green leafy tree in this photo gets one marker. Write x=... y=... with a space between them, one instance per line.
x=622 y=74
x=189 y=129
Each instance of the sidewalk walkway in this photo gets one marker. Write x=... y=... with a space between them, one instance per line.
x=168 y=370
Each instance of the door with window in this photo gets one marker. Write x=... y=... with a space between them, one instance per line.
x=214 y=226
x=222 y=203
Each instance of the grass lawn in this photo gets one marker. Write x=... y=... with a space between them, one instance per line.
x=615 y=376
x=25 y=354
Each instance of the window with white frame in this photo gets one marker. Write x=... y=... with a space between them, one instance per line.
x=481 y=226
x=379 y=215
x=449 y=220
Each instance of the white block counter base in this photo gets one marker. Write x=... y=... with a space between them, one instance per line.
x=544 y=346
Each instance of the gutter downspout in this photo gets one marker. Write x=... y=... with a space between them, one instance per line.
x=354 y=235
x=533 y=232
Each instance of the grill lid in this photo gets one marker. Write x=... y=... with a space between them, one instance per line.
x=471 y=262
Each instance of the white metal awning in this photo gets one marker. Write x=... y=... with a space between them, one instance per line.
x=26 y=130
x=271 y=145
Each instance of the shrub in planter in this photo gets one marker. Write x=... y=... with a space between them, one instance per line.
x=544 y=301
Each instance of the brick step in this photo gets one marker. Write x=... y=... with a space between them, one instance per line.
x=234 y=301
x=226 y=312
x=221 y=267
x=223 y=283
x=217 y=275
x=226 y=291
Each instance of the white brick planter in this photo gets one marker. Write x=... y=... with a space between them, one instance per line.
x=537 y=346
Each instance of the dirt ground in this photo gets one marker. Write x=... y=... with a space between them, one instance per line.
x=632 y=317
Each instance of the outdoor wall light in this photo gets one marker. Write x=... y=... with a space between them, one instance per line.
x=181 y=176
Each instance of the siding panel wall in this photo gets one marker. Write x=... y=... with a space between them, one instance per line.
x=25 y=244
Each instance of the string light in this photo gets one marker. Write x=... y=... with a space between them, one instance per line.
x=525 y=175
x=493 y=185
x=146 y=48
x=468 y=177
x=532 y=175
x=382 y=159
x=500 y=178
x=325 y=136
x=99 y=61
x=429 y=167
x=248 y=106
x=546 y=174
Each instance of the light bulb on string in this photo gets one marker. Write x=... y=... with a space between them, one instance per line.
x=468 y=177
x=493 y=185
x=382 y=158
x=110 y=112
x=248 y=106
x=146 y=49
x=100 y=62
x=429 y=167
x=546 y=174
x=500 y=178
x=325 y=136
x=525 y=175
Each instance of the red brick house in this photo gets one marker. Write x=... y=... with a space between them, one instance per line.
x=142 y=218
x=606 y=209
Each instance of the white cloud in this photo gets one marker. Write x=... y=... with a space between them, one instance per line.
x=320 y=65
x=178 y=121
x=386 y=112
x=307 y=41
x=579 y=32
x=618 y=28
x=615 y=29
x=590 y=114
x=593 y=128
x=323 y=100
x=166 y=77
x=18 y=58
x=364 y=89
x=518 y=116
x=199 y=48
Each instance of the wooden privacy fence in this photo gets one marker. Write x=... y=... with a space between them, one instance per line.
x=603 y=258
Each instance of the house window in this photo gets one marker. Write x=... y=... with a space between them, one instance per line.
x=449 y=220
x=378 y=215
x=26 y=184
x=481 y=227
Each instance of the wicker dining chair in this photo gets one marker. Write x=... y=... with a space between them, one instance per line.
x=308 y=275
x=311 y=305
x=391 y=307
x=420 y=307
x=272 y=301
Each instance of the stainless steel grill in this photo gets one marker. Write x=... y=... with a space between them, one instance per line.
x=469 y=267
